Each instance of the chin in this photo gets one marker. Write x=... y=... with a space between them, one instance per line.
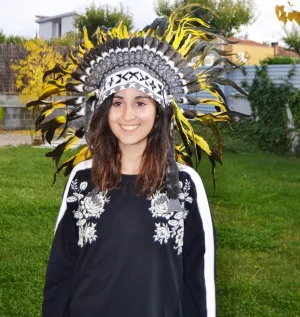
x=132 y=142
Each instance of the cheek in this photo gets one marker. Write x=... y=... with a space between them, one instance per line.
x=112 y=117
x=149 y=116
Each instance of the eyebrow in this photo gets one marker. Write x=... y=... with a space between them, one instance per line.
x=137 y=97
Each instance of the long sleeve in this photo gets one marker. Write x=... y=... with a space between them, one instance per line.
x=61 y=263
x=199 y=298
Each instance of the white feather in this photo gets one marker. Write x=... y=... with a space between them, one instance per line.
x=79 y=88
x=88 y=70
x=83 y=78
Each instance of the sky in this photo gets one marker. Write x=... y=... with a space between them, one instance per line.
x=17 y=17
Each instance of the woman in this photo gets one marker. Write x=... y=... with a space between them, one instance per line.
x=118 y=251
x=134 y=236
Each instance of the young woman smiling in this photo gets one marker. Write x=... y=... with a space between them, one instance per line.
x=118 y=250
x=134 y=235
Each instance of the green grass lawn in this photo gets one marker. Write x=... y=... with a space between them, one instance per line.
x=256 y=209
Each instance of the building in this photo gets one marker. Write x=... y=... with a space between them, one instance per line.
x=248 y=52
x=283 y=51
x=56 y=26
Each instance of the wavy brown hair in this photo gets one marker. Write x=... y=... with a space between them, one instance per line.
x=106 y=153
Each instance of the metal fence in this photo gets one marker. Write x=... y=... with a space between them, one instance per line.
x=277 y=73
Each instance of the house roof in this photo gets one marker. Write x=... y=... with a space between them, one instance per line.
x=246 y=42
x=283 y=51
x=43 y=19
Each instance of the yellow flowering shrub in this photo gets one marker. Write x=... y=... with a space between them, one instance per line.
x=29 y=71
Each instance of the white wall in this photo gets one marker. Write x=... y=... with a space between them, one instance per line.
x=45 y=30
x=50 y=29
x=67 y=25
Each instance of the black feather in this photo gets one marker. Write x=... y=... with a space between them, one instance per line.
x=48 y=129
x=57 y=69
x=123 y=43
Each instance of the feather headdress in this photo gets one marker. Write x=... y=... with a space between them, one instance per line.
x=160 y=60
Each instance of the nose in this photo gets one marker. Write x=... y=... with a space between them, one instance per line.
x=128 y=112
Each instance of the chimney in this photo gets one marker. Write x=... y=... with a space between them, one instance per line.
x=276 y=48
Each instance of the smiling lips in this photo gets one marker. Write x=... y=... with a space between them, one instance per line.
x=129 y=127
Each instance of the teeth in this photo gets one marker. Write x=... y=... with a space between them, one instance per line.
x=129 y=127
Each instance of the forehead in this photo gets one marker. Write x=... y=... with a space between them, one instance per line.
x=130 y=93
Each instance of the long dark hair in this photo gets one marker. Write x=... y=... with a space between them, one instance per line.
x=106 y=153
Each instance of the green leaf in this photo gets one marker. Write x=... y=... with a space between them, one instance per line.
x=1 y=114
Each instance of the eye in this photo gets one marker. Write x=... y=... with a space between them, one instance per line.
x=140 y=104
x=116 y=103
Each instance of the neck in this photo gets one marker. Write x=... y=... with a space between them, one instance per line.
x=131 y=158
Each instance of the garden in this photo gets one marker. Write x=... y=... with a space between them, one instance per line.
x=255 y=201
x=255 y=207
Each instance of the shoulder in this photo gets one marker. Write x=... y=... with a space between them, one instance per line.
x=79 y=180
x=81 y=167
x=187 y=172
x=81 y=171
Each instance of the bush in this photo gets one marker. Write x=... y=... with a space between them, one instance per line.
x=268 y=103
x=280 y=60
x=237 y=136
x=1 y=114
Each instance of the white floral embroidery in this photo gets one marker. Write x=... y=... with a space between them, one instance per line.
x=159 y=205
x=162 y=233
x=89 y=207
x=174 y=227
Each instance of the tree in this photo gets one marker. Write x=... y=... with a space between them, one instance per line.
x=11 y=39
x=67 y=40
x=229 y=15
x=29 y=71
x=103 y=15
x=2 y=37
x=292 y=38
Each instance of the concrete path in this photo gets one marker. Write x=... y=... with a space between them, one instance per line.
x=14 y=139
x=17 y=139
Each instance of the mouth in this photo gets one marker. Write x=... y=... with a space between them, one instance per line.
x=129 y=127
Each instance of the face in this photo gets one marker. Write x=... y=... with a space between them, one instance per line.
x=131 y=117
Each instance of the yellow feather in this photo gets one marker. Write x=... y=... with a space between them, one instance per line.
x=202 y=143
x=84 y=154
x=170 y=30
x=87 y=43
x=182 y=119
x=200 y=21
x=184 y=50
x=124 y=32
x=61 y=119
x=51 y=89
x=55 y=105
x=117 y=31
x=73 y=59
x=213 y=102
x=72 y=140
x=210 y=117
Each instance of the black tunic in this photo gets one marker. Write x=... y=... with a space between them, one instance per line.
x=116 y=254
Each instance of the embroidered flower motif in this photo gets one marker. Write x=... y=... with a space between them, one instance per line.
x=94 y=206
x=83 y=185
x=162 y=233
x=174 y=227
x=89 y=233
x=159 y=205
x=89 y=207
x=184 y=195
